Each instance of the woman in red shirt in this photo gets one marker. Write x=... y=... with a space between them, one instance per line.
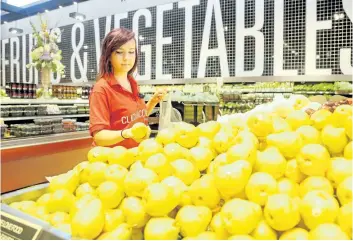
x=115 y=104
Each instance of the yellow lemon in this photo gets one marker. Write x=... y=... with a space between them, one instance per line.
x=185 y=171
x=110 y=194
x=203 y=192
x=263 y=231
x=231 y=179
x=240 y=216
x=281 y=212
x=193 y=220
x=271 y=161
x=344 y=219
x=260 y=186
x=295 y=234
x=134 y=212
x=159 y=199
x=344 y=191
x=162 y=228
x=113 y=218
x=313 y=160
x=328 y=231
x=137 y=180
x=315 y=183
x=318 y=207
x=293 y=172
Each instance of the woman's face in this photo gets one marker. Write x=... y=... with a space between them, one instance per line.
x=123 y=59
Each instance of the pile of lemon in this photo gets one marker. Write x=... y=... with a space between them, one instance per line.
x=279 y=174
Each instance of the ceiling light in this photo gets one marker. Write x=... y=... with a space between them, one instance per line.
x=225 y=28
x=141 y=38
x=85 y=47
x=75 y=2
x=16 y=30
x=5 y=21
x=60 y=6
x=317 y=56
x=77 y=16
x=46 y=10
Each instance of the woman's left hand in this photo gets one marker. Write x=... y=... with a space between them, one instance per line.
x=158 y=96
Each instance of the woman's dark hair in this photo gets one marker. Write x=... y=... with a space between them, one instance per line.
x=113 y=41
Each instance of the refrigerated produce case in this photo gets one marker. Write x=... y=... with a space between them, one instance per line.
x=26 y=162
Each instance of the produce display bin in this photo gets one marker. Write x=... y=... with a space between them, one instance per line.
x=39 y=229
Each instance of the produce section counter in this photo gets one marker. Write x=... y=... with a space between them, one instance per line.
x=26 y=162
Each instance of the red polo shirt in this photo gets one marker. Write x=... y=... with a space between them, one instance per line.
x=112 y=107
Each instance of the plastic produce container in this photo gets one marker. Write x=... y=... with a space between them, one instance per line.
x=43 y=122
x=80 y=126
x=63 y=110
x=14 y=108
x=72 y=110
x=81 y=110
x=42 y=110
x=69 y=125
x=46 y=129
x=30 y=108
x=30 y=112
x=56 y=120
x=5 y=113
x=16 y=113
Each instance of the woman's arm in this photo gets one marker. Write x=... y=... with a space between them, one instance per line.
x=156 y=98
x=150 y=106
x=109 y=137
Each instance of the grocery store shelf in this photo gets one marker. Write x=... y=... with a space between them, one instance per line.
x=47 y=139
x=43 y=117
x=8 y=101
x=213 y=80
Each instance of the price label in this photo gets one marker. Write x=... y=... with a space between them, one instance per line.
x=15 y=228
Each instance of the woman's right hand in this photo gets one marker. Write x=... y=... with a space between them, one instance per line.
x=138 y=132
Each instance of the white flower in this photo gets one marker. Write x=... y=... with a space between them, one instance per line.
x=37 y=53
x=41 y=34
x=55 y=31
x=46 y=48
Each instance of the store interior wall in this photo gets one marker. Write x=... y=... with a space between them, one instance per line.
x=197 y=39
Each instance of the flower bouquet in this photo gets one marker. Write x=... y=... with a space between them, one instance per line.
x=45 y=54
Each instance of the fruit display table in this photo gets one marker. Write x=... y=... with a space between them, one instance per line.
x=26 y=162
x=281 y=171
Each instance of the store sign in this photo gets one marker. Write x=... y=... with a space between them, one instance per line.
x=14 y=228
x=206 y=38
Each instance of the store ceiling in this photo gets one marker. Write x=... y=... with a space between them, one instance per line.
x=12 y=10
